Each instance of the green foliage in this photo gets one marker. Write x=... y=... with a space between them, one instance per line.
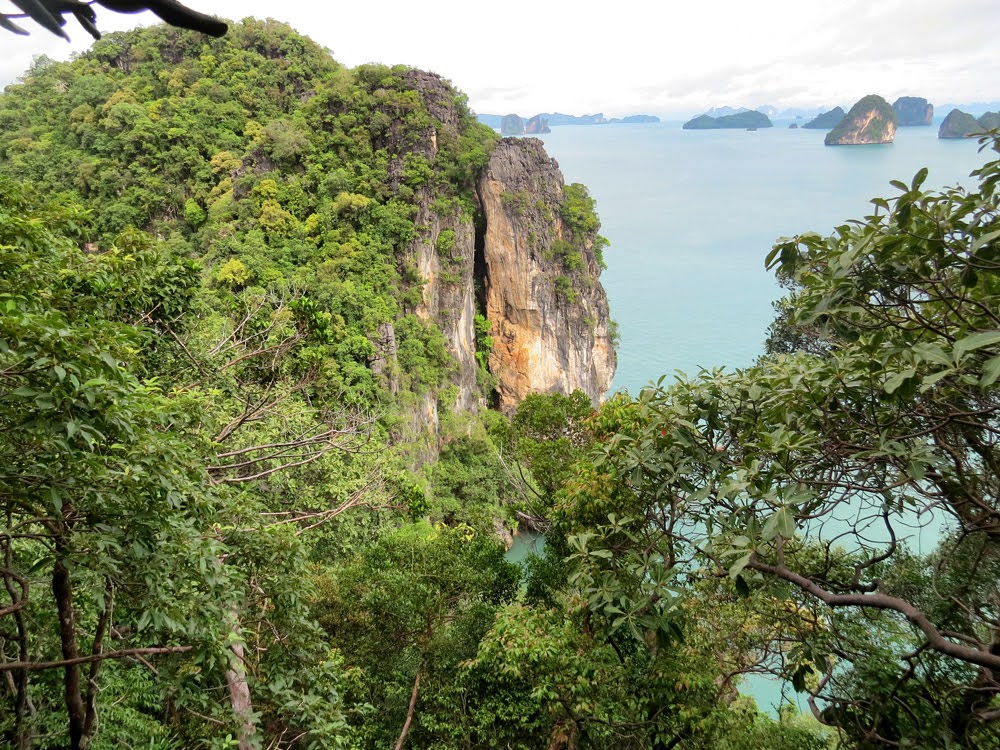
x=804 y=479
x=414 y=603
x=546 y=436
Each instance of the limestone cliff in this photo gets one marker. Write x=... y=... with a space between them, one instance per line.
x=958 y=124
x=530 y=247
x=443 y=254
x=870 y=121
x=537 y=125
x=549 y=313
x=913 y=111
x=511 y=125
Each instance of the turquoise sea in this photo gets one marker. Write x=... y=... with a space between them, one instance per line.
x=692 y=214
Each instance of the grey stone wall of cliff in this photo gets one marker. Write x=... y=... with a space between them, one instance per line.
x=545 y=340
x=444 y=251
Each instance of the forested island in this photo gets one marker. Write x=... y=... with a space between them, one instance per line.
x=288 y=353
x=750 y=119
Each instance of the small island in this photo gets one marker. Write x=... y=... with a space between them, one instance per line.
x=870 y=121
x=750 y=120
x=827 y=120
x=543 y=121
x=913 y=111
x=511 y=125
x=959 y=124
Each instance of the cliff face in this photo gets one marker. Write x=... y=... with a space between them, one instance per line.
x=511 y=125
x=913 y=111
x=536 y=267
x=870 y=121
x=549 y=313
x=537 y=125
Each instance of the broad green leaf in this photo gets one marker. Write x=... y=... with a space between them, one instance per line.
x=991 y=371
x=975 y=341
x=893 y=383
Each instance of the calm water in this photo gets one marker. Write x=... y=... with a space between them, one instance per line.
x=691 y=215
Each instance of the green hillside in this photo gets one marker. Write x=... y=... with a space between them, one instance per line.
x=243 y=509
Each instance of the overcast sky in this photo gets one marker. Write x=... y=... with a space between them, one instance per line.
x=631 y=56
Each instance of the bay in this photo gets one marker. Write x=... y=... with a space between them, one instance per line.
x=691 y=215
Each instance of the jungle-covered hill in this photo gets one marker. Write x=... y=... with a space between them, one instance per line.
x=254 y=495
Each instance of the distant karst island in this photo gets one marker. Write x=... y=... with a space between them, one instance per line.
x=870 y=121
x=746 y=120
x=543 y=122
x=826 y=120
x=913 y=111
x=959 y=124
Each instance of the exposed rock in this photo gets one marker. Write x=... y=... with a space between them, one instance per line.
x=990 y=121
x=793 y=126
x=537 y=125
x=550 y=322
x=741 y=120
x=958 y=124
x=870 y=121
x=444 y=255
x=827 y=120
x=912 y=111
x=438 y=96
x=384 y=364
x=512 y=125
x=503 y=533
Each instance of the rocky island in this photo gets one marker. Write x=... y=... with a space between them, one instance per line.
x=959 y=124
x=556 y=119
x=827 y=120
x=913 y=111
x=511 y=125
x=750 y=119
x=870 y=121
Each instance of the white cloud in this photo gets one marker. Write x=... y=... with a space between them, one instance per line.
x=638 y=55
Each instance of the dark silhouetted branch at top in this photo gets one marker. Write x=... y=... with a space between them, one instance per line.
x=50 y=15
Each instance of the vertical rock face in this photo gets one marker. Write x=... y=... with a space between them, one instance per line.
x=537 y=125
x=870 y=121
x=913 y=111
x=444 y=252
x=548 y=310
x=511 y=125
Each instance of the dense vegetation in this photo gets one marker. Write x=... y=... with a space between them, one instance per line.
x=217 y=529
x=739 y=120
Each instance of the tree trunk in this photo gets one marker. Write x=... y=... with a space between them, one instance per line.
x=239 y=690
x=76 y=711
x=410 y=711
